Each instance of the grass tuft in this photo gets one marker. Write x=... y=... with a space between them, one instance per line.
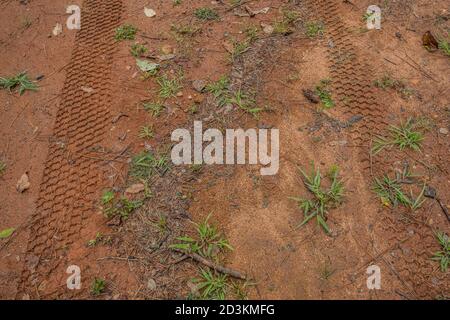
x=284 y=26
x=387 y=82
x=146 y=132
x=205 y=14
x=212 y=286
x=98 y=286
x=126 y=32
x=210 y=241
x=97 y=240
x=155 y=108
x=239 y=48
x=324 y=93
x=21 y=80
x=251 y=33
x=323 y=199
x=210 y=244
x=138 y=50
x=245 y=103
x=444 y=45
x=223 y=96
x=443 y=255
x=391 y=192
x=107 y=197
x=162 y=224
x=314 y=29
x=183 y=31
x=146 y=164
x=168 y=87
x=404 y=136
x=326 y=272
x=122 y=207
x=220 y=90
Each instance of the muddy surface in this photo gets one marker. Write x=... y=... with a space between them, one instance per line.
x=80 y=134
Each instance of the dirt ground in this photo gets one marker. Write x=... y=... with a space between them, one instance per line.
x=79 y=135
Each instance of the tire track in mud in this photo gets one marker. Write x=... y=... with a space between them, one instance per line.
x=354 y=91
x=356 y=96
x=70 y=179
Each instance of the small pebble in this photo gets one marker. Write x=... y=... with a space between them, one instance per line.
x=443 y=131
x=151 y=284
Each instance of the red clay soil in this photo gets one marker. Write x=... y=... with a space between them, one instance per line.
x=77 y=135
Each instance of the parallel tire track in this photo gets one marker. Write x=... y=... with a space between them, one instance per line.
x=70 y=179
x=355 y=94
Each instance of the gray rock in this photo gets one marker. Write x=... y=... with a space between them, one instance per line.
x=199 y=85
x=330 y=43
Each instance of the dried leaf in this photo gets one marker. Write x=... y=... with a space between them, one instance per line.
x=429 y=41
x=167 y=49
x=146 y=66
x=23 y=183
x=135 y=188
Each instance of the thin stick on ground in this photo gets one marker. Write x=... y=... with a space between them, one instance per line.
x=120 y=258
x=212 y=265
x=417 y=68
x=444 y=209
